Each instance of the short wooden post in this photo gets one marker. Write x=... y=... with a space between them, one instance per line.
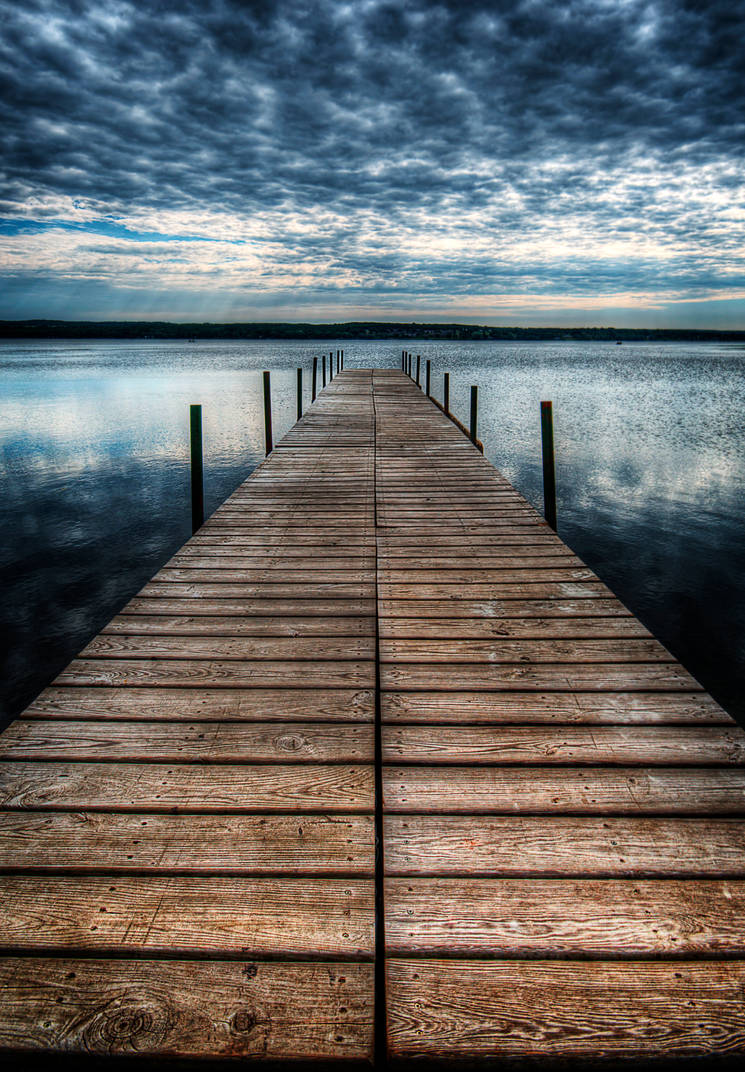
x=268 y=413
x=299 y=393
x=408 y=368
x=549 y=466
x=446 y=391
x=323 y=371
x=418 y=366
x=428 y=376
x=338 y=360
x=315 y=379
x=197 y=469
x=331 y=366
x=474 y=412
x=403 y=358
x=342 y=360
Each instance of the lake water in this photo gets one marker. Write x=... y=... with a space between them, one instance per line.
x=95 y=483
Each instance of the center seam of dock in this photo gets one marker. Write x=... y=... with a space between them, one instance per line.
x=376 y=740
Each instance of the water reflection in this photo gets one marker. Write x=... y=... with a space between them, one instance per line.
x=94 y=472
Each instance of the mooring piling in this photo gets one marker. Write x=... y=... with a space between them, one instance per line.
x=474 y=412
x=267 y=413
x=446 y=391
x=197 y=467
x=549 y=466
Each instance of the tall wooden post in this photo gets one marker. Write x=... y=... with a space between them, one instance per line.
x=474 y=412
x=549 y=466
x=428 y=376
x=323 y=371
x=315 y=379
x=299 y=393
x=446 y=391
x=331 y=366
x=268 y=413
x=418 y=366
x=197 y=468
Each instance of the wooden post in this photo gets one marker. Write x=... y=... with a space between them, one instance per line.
x=428 y=376
x=549 y=467
x=331 y=366
x=299 y=393
x=474 y=412
x=342 y=360
x=403 y=358
x=338 y=360
x=408 y=365
x=418 y=366
x=197 y=469
x=315 y=379
x=446 y=391
x=323 y=371
x=268 y=413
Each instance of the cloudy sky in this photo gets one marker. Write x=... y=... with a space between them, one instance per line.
x=511 y=161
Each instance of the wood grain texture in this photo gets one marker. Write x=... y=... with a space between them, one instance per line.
x=461 y=707
x=182 y=742
x=564 y=745
x=558 y=846
x=564 y=790
x=614 y=918
x=220 y=788
x=209 y=917
x=187 y=1008
x=548 y=1010
x=106 y=842
x=111 y=703
x=176 y=673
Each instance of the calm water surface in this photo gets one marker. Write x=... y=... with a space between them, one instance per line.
x=95 y=483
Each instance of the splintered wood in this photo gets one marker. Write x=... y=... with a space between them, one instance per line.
x=188 y=825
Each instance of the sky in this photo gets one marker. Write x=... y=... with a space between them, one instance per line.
x=525 y=162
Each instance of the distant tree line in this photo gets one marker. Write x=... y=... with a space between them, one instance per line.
x=147 y=329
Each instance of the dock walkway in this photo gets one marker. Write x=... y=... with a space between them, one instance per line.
x=374 y=752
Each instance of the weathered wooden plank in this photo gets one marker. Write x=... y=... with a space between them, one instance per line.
x=563 y=846
x=319 y=598
x=169 y=621
x=550 y=1010
x=564 y=745
x=228 y=580
x=186 y=844
x=601 y=676
x=538 y=917
x=531 y=587
x=596 y=708
x=208 y=917
x=183 y=742
x=565 y=790
x=180 y=646
x=185 y=603
x=220 y=788
x=207 y=672
x=531 y=627
x=512 y=650
x=220 y=1009
x=204 y=704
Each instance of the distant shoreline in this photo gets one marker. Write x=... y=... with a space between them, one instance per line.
x=361 y=330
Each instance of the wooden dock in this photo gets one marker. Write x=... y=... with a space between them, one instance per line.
x=374 y=758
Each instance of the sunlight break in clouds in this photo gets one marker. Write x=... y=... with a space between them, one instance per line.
x=483 y=161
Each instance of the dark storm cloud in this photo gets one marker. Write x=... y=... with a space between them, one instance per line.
x=412 y=116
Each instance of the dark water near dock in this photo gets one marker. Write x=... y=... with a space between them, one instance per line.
x=95 y=484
